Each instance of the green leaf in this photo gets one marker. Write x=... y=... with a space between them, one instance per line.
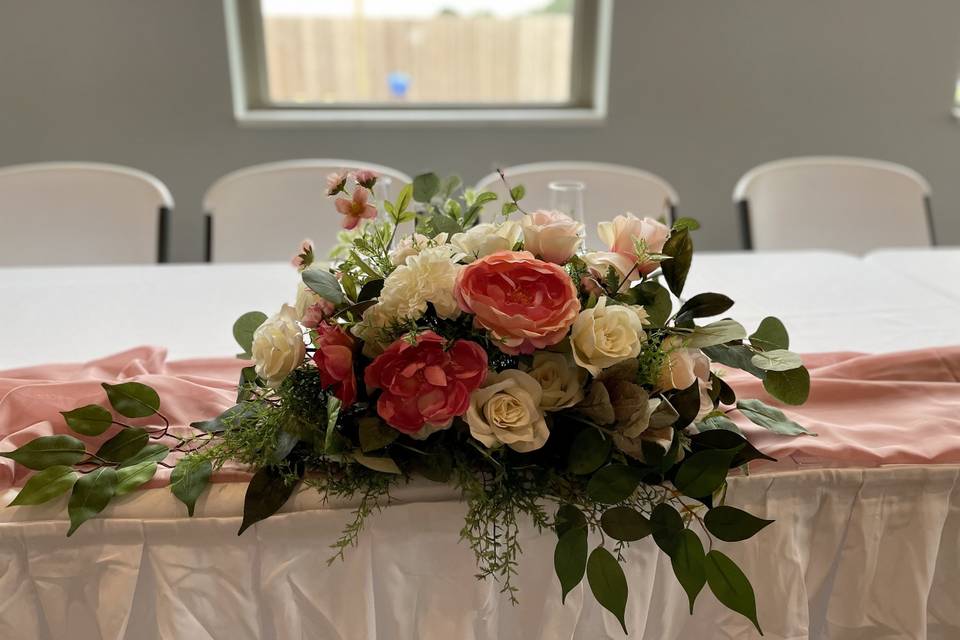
x=770 y=418
x=129 y=478
x=248 y=377
x=776 y=360
x=691 y=224
x=568 y=517
x=731 y=587
x=590 y=449
x=91 y=493
x=150 y=453
x=771 y=334
x=132 y=399
x=732 y=525
x=244 y=327
x=735 y=355
x=715 y=333
x=687 y=404
x=232 y=417
x=609 y=585
x=688 y=562
x=655 y=300
x=451 y=184
x=46 y=485
x=680 y=248
x=517 y=192
x=188 y=480
x=723 y=439
x=124 y=445
x=324 y=284
x=403 y=199
x=48 y=451
x=382 y=464
x=702 y=473
x=508 y=208
x=267 y=492
x=718 y=422
x=613 y=483
x=445 y=224
x=666 y=525
x=570 y=559
x=91 y=420
x=791 y=387
x=626 y=524
x=704 y=305
x=375 y=434
x=334 y=442
x=425 y=186
x=370 y=290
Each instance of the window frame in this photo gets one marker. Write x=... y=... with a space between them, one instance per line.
x=249 y=90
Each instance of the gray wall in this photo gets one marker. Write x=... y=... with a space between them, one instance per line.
x=700 y=91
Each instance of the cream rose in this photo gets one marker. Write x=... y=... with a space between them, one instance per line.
x=487 y=238
x=605 y=335
x=562 y=381
x=599 y=262
x=506 y=411
x=621 y=234
x=551 y=235
x=278 y=346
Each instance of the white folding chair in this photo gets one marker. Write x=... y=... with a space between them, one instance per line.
x=611 y=189
x=263 y=212
x=846 y=204
x=82 y=213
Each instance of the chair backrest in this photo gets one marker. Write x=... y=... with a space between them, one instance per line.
x=263 y=212
x=846 y=204
x=611 y=189
x=81 y=213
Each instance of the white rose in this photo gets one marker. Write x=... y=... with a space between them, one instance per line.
x=506 y=410
x=562 y=381
x=278 y=346
x=552 y=235
x=412 y=245
x=429 y=276
x=605 y=335
x=487 y=238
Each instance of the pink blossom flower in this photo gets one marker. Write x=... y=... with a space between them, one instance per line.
x=365 y=178
x=336 y=182
x=304 y=258
x=355 y=208
x=316 y=313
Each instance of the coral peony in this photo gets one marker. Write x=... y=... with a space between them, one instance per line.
x=526 y=304
x=426 y=382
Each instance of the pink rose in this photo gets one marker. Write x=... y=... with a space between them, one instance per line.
x=526 y=304
x=355 y=208
x=552 y=235
x=620 y=236
x=336 y=181
x=426 y=383
x=365 y=178
x=334 y=360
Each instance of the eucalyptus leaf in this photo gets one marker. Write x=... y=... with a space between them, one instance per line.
x=244 y=327
x=626 y=524
x=189 y=479
x=791 y=387
x=48 y=451
x=132 y=399
x=715 y=333
x=267 y=492
x=679 y=247
x=375 y=434
x=732 y=525
x=126 y=444
x=718 y=422
x=771 y=334
x=613 y=483
x=666 y=525
x=703 y=472
x=776 y=360
x=91 y=420
x=46 y=485
x=737 y=356
x=91 y=494
x=425 y=186
x=590 y=449
x=770 y=418
x=688 y=562
x=608 y=583
x=323 y=283
x=731 y=586
x=129 y=478
x=570 y=559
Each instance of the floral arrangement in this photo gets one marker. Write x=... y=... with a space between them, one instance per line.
x=501 y=357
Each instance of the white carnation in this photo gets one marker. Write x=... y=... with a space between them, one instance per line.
x=429 y=276
x=412 y=245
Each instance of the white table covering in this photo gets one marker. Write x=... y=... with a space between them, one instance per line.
x=856 y=554
x=937 y=268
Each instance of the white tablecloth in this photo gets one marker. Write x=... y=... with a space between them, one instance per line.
x=937 y=268
x=856 y=554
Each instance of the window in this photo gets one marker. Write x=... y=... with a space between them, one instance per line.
x=428 y=60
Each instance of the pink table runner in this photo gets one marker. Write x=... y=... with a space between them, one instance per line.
x=869 y=410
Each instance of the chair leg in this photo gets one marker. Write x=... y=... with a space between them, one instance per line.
x=163 y=231
x=208 y=238
x=931 y=228
x=746 y=237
